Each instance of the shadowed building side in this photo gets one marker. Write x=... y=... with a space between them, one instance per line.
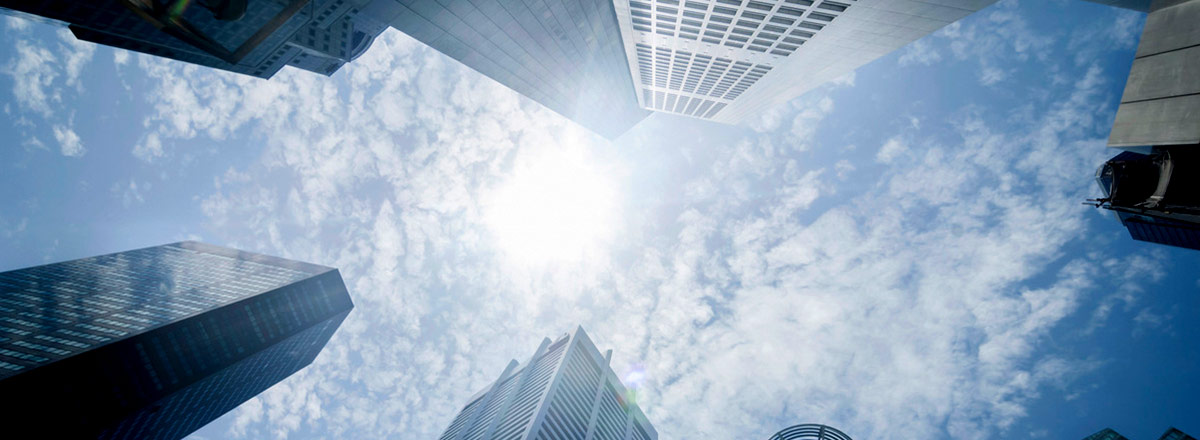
x=155 y=343
x=255 y=38
x=1151 y=186
x=1109 y=434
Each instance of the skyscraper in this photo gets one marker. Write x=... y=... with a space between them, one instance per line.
x=810 y=432
x=252 y=37
x=1106 y=434
x=726 y=60
x=1154 y=195
x=1109 y=434
x=156 y=342
x=566 y=391
x=601 y=63
x=565 y=54
x=1151 y=184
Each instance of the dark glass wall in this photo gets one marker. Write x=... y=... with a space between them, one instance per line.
x=157 y=342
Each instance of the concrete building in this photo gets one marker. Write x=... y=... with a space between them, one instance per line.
x=726 y=60
x=251 y=37
x=1152 y=185
x=566 y=391
x=155 y=343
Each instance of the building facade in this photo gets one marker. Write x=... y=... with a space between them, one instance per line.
x=565 y=54
x=251 y=37
x=156 y=342
x=566 y=391
x=810 y=431
x=1150 y=185
x=1109 y=434
x=726 y=60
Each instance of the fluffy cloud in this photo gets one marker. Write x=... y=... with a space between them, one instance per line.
x=44 y=77
x=755 y=291
x=68 y=141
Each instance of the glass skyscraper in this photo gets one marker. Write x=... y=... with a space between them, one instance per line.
x=1151 y=184
x=566 y=391
x=252 y=37
x=565 y=54
x=156 y=342
x=1109 y=434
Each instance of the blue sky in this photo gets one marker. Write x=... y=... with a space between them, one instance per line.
x=900 y=254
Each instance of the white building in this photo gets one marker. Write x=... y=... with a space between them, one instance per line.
x=724 y=60
x=566 y=391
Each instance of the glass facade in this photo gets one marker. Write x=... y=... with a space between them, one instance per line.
x=315 y=35
x=156 y=342
x=567 y=55
x=566 y=391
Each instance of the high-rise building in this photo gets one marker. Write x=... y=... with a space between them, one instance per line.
x=1109 y=434
x=810 y=431
x=726 y=60
x=601 y=63
x=1154 y=195
x=566 y=391
x=155 y=343
x=565 y=54
x=1106 y=434
x=252 y=37
x=1151 y=185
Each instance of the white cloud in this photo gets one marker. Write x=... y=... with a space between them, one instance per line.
x=920 y=52
x=69 y=142
x=751 y=289
x=149 y=148
x=130 y=193
x=77 y=55
x=890 y=149
x=32 y=73
x=120 y=57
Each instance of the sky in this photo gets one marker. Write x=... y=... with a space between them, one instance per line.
x=902 y=253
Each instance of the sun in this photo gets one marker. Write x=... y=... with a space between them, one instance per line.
x=559 y=205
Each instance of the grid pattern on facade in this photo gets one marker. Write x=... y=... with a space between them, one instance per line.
x=683 y=82
x=521 y=411
x=571 y=405
x=187 y=410
x=567 y=391
x=610 y=420
x=776 y=27
x=54 y=311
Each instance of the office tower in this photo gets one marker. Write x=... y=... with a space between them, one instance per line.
x=1106 y=434
x=252 y=37
x=1109 y=434
x=566 y=391
x=154 y=343
x=565 y=54
x=1151 y=185
x=1154 y=195
x=810 y=432
x=1137 y=5
x=726 y=60
x=1161 y=103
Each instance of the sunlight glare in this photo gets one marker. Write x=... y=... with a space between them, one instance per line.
x=559 y=205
